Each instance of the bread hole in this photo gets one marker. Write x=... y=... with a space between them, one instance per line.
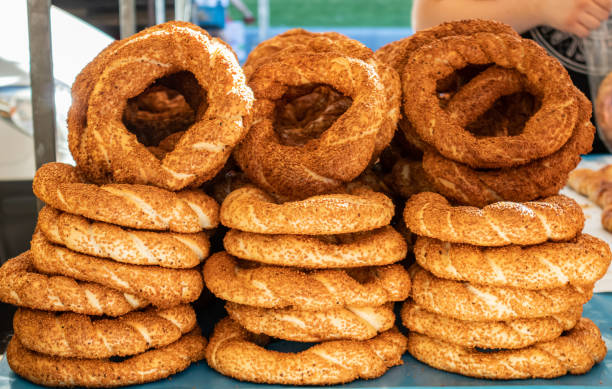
x=307 y=111
x=164 y=110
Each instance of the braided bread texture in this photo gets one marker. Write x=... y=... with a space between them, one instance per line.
x=280 y=287
x=341 y=153
x=137 y=206
x=152 y=365
x=512 y=334
x=252 y=210
x=574 y=353
x=105 y=149
x=545 y=132
x=581 y=261
x=555 y=218
x=371 y=248
x=465 y=301
x=358 y=323
x=166 y=249
x=232 y=352
x=78 y=336
x=20 y=285
x=162 y=287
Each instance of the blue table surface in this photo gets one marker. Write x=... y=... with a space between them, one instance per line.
x=410 y=375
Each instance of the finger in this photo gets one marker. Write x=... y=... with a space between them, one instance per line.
x=597 y=11
x=579 y=30
x=589 y=21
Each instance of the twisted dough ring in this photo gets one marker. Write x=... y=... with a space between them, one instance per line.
x=465 y=301
x=340 y=154
x=137 y=206
x=581 y=261
x=555 y=218
x=136 y=247
x=75 y=335
x=161 y=286
x=149 y=366
x=544 y=76
x=20 y=285
x=540 y=178
x=512 y=334
x=574 y=353
x=300 y=41
x=372 y=248
x=281 y=287
x=232 y=352
x=107 y=151
x=252 y=210
x=357 y=323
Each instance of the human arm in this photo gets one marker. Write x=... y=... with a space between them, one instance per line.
x=575 y=16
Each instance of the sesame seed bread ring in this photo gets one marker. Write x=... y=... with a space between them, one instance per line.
x=137 y=206
x=581 y=261
x=358 y=323
x=165 y=249
x=341 y=153
x=283 y=287
x=75 y=335
x=105 y=149
x=371 y=248
x=465 y=301
x=149 y=366
x=512 y=334
x=546 y=131
x=574 y=353
x=554 y=218
x=251 y=209
x=163 y=287
x=233 y=352
x=21 y=285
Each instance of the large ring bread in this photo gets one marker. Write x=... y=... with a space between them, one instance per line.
x=465 y=301
x=107 y=151
x=76 y=335
x=294 y=324
x=21 y=285
x=372 y=248
x=511 y=334
x=280 y=287
x=574 y=353
x=232 y=352
x=251 y=209
x=152 y=365
x=137 y=206
x=166 y=249
x=162 y=287
x=554 y=218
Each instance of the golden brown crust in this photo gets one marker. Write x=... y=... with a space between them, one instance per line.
x=581 y=261
x=232 y=352
x=341 y=153
x=104 y=148
x=357 y=323
x=546 y=78
x=465 y=301
x=280 y=287
x=597 y=186
x=161 y=286
x=149 y=366
x=512 y=334
x=555 y=218
x=137 y=206
x=408 y=178
x=371 y=248
x=574 y=353
x=21 y=285
x=76 y=335
x=166 y=249
x=251 y=209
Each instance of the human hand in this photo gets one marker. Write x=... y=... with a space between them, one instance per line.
x=578 y=17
